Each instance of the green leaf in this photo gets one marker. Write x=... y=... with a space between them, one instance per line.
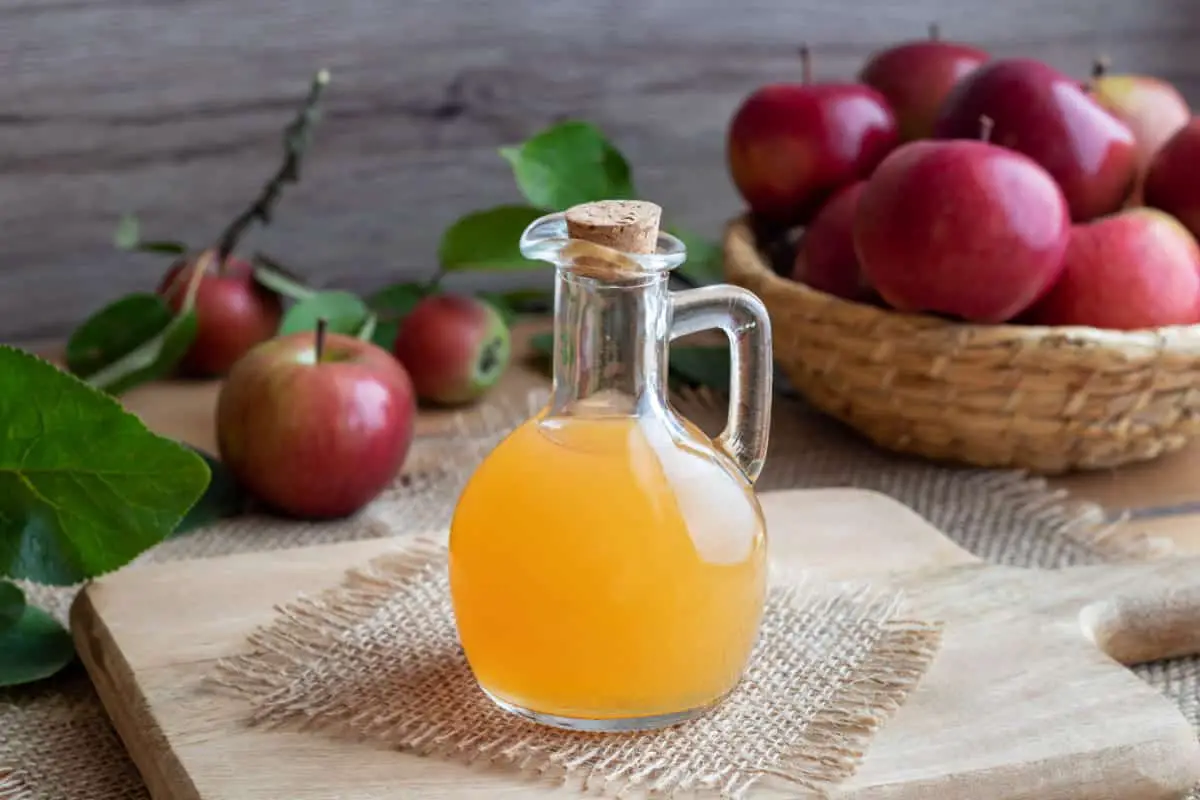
x=128 y=233
x=568 y=164
x=343 y=313
x=115 y=331
x=85 y=487
x=488 y=240
x=12 y=604
x=154 y=359
x=705 y=260
x=223 y=498
x=34 y=648
x=277 y=278
x=391 y=305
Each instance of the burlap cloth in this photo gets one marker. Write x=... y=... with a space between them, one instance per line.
x=55 y=741
x=377 y=659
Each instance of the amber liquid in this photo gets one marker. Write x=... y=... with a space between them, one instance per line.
x=605 y=569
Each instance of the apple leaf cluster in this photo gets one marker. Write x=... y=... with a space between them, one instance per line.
x=140 y=337
x=85 y=488
x=561 y=166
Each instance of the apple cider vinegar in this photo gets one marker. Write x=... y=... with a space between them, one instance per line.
x=625 y=581
x=608 y=559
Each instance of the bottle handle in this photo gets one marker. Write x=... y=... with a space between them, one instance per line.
x=744 y=319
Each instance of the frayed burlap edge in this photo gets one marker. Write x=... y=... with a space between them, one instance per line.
x=830 y=750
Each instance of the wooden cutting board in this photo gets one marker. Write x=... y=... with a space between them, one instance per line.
x=1021 y=702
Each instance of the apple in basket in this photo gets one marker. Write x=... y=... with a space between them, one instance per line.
x=825 y=257
x=1047 y=116
x=1173 y=181
x=963 y=228
x=792 y=145
x=315 y=424
x=1134 y=270
x=917 y=76
x=1152 y=108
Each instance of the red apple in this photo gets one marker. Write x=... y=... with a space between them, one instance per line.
x=1134 y=270
x=316 y=425
x=1152 y=108
x=825 y=259
x=1173 y=180
x=454 y=346
x=791 y=145
x=916 y=77
x=233 y=311
x=1047 y=116
x=964 y=228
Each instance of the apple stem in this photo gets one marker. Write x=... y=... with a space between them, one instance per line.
x=986 y=124
x=319 y=347
x=805 y=64
x=935 y=32
x=1100 y=67
x=296 y=138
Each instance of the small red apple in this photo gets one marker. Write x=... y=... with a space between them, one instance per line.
x=1047 y=116
x=792 y=145
x=825 y=259
x=1134 y=270
x=316 y=425
x=455 y=347
x=233 y=311
x=1173 y=181
x=961 y=227
x=916 y=77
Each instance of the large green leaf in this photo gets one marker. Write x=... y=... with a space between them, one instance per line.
x=85 y=487
x=343 y=312
x=12 y=604
x=568 y=164
x=488 y=240
x=34 y=648
x=224 y=497
x=115 y=331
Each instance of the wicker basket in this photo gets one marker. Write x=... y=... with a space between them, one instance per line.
x=1046 y=400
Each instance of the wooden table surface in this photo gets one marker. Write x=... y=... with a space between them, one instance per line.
x=1160 y=498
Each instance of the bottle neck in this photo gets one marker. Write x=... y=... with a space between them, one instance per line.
x=610 y=344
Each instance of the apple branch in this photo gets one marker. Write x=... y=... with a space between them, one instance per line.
x=296 y=138
x=935 y=32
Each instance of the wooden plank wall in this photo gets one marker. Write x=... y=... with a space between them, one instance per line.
x=172 y=109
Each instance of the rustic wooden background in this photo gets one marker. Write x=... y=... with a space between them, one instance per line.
x=172 y=109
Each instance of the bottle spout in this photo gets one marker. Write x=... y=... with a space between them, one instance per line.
x=622 y=234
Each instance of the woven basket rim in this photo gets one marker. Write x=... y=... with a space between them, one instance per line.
x=739 y=234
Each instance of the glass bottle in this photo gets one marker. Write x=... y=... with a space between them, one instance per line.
x=607 y=558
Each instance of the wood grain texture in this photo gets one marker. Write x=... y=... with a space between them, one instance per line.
x=1020 y=701
x=173 y=109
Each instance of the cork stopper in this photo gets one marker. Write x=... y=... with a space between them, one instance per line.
x=627 y=226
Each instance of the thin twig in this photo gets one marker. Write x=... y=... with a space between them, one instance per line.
x=295 y=140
